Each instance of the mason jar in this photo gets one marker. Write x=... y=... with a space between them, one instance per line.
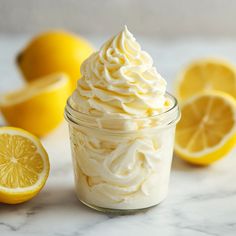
x=122 y=164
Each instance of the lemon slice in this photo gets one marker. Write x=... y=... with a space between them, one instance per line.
x=37 y=108
x=206 y=131
x=24 y=165
x=205 y=75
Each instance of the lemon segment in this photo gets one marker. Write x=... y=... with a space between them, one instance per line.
x=207 y=129
x=206 y=75
x=24 y=165
x=52 y=52
x=37 y=108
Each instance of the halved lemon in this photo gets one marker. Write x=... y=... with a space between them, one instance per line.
x=206 y=75
x=24 y=165
x=37 y=108
x=207 y=129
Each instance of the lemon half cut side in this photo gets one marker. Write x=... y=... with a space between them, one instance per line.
x=24 y=165
x=205 y=75
x=207 y=129
x=38 y=107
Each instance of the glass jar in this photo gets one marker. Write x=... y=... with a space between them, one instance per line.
x=122 y=165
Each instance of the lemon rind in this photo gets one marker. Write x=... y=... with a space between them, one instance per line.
x=40 y=149
x=223 y=147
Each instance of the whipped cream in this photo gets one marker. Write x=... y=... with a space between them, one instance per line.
x=125 y=172
x=120 y=80
x=130 y=169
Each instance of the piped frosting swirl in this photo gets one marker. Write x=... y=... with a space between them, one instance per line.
x=120 y=80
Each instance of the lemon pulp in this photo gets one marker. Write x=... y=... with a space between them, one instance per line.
x=24 y=165
x=206 y=75
x=206 y=130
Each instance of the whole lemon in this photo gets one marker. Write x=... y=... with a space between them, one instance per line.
x=54 y=51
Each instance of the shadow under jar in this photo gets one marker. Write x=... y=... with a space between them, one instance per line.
x=122 y=164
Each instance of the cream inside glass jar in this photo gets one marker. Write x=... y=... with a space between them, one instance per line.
x=122 y=164
x=122 y=125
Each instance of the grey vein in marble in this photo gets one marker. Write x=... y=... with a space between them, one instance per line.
x=201 y=201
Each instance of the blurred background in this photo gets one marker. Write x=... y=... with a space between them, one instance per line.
x=156 y=18
x=173 y=32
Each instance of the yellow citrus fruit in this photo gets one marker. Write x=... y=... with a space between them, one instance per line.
x=24 y=165
x=206 y=75
x=206 y=131
x=54 y=51
x=39 y=107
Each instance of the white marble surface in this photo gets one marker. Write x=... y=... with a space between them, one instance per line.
x=201 y=201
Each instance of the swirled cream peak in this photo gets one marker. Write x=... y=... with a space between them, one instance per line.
x=120 y=79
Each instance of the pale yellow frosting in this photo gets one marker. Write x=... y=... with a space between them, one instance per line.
x=120 y=80
x=127 y=171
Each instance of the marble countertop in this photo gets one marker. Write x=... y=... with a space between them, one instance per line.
x=201 y=201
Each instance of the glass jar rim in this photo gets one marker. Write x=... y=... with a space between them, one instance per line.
x=170 y=116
